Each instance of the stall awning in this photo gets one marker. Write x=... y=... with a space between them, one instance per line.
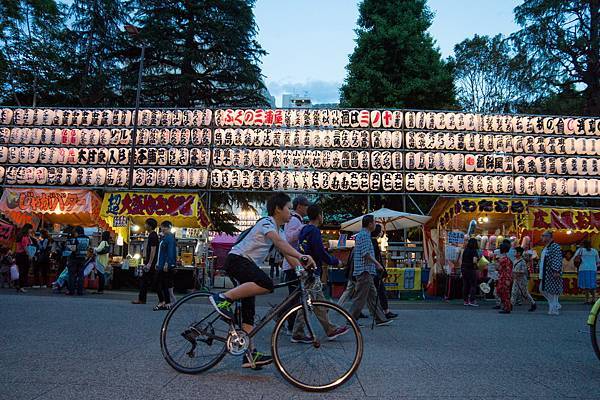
x=57 y=206
x=119 y=209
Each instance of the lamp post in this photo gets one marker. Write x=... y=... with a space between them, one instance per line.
x=134 y=33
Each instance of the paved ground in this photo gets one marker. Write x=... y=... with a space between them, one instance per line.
x=54 y=347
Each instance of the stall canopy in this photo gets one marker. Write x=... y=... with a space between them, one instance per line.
x=221 y=245
x=390 y=219
x=66 y=207
x=120 y=209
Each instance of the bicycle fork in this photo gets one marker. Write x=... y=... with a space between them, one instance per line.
x=307 y=307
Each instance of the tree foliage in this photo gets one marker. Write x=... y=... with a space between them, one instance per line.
x=395 y=63
x=563 y=38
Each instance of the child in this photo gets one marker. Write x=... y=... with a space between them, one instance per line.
x=5 y=264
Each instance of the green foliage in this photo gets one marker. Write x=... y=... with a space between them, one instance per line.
x=200 y=53
x=395 y=63
x=493 y=75
x=563 y=38
x=567 y=102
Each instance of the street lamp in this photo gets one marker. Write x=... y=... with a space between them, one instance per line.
x=134 y=33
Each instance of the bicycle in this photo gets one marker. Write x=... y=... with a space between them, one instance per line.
x=595 y=327
x=187 y=326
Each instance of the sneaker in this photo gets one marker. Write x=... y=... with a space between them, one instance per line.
x=533 y=307
x=302 y=339
x=259 y=359
x=473 y=304
x=222 y=306
x=21 y=290
x=341 y=330
x=465 y=303
x=383 y=323
x=391 y=315
x=36 y=286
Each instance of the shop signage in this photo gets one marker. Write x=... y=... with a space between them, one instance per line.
x=577 y=220
x=44 y=201
x=6 y=232
x=484 y=206
x=456 y=237
x=303 y=149
x=150 y=204
x=120 y=221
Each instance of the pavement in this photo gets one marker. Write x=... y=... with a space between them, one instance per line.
x=103 y=347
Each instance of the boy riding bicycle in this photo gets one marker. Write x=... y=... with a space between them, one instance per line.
x=242 y=264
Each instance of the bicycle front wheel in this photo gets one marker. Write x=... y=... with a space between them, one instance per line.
x=193 y=335
x=595 y=331
x=323 y=364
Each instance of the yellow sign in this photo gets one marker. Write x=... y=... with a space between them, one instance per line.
x=403 y=279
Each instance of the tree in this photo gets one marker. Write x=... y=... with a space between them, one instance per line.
x=492 y=75
x=395 y=63
x=200 y=53
x=29 y=34
x=567 y=102
x=95 y=39
x=563 y=36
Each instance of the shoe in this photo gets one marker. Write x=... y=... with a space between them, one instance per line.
x=222 y=306
x=362 y=316
x=259 y=358
x=341 y=330
x=533 y=307
x=503 y=312
x=391 y=315
x=473 y=304
x=36 y=286
x=497 y=307
x=22 y=290
x=383 y=323
x=138 y=302
x=302 y=339
x=465 y=303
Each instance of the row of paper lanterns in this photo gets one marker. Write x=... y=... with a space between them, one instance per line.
x=301 y=180
x=303 y=159
x=344 y=118
x=103 y=118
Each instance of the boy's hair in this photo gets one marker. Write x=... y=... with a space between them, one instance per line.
x=367 y=220
x=166 y=224
x=313 y=212
x=278 y=200
x=151 y=222
x=520 y=250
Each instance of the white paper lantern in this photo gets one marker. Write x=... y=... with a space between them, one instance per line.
x=470 y=162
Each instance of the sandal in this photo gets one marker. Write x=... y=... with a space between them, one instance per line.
x=158 y=308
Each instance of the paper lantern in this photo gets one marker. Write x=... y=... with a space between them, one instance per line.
x=3 y=154
x=5 y=134
x=470 y=162
x=6 y=116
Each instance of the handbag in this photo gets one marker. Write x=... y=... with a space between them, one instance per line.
x=14 y=272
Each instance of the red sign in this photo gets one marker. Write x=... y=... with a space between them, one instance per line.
x=580 y=220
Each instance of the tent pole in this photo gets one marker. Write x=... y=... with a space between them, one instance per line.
x=404 y=210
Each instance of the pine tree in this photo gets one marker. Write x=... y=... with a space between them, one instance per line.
x=199 y=53
x=96 y=41
x=395 y=63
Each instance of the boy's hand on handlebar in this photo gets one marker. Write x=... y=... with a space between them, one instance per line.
x=308 y=262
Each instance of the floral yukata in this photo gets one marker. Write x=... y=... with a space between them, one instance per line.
x=504 y=283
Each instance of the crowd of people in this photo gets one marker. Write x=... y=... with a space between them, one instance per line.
x=513 y=266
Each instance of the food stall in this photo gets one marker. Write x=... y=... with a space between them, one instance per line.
x=126 y=213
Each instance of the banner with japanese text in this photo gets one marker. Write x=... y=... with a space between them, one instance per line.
x=569 y=219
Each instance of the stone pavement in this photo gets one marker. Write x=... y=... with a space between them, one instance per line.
x=93 y=347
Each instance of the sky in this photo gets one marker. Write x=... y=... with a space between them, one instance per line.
x=309 y=41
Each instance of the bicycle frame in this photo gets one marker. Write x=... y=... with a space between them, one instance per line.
x=594 y=312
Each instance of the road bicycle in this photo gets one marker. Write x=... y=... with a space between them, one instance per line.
x=595 y=327
x=194 y=337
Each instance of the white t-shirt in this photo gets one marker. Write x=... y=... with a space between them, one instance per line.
x=255 y=246
x=589 y=259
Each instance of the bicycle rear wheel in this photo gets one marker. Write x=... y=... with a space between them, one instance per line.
x=326 y=364
x=193 y=335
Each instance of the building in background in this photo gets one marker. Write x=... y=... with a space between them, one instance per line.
x=296 y=101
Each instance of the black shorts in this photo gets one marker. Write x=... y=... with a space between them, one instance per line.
x=243 y=270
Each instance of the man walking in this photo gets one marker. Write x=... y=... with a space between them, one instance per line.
x=551 y=284
x=150 y=259
x=365 y=269
x=311 y=244
x=291 y=231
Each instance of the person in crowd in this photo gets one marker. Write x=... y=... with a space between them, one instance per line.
x=568 y=262
x=22 y=257
x=291 y=231
x=102 y=258
x=275 y=262
x=379 y=278
x=365 y=268
x=167 y=261
x=148 y=277
x=551 y=284
x=504 y=283
x=588 y=269
x=78 y=245
x=311 y=244
x=468 y=267
x=6 y=261
x=242 y=266
x=520 y=289
x=41 y=265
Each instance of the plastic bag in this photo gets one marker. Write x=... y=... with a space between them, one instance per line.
x=14 y=272
x=482 y=263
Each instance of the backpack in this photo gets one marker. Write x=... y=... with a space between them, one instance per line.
x=245 y=233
